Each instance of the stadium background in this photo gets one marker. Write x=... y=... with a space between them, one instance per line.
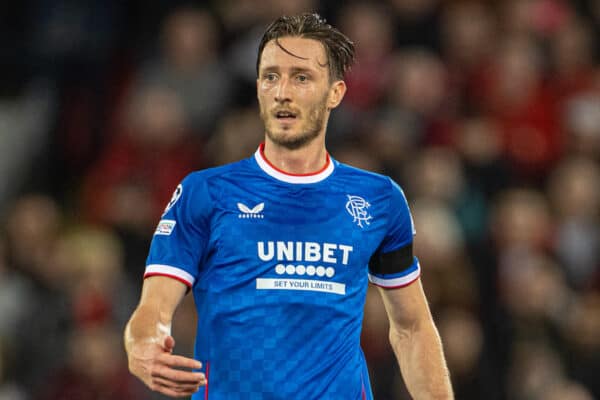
x=487 y=113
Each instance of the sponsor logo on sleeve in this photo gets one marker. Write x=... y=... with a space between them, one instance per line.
x=165 y=227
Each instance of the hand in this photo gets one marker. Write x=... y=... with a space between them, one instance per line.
x=159 y=369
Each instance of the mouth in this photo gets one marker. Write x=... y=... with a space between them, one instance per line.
x=285 y=115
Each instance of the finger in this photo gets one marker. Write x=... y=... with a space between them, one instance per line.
x=177 y=376
x=186 y=387
x=178 y=361
x=169 y=391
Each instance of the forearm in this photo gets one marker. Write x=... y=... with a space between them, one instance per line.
x=151 y=320
x=419 y=353
x=147 y=324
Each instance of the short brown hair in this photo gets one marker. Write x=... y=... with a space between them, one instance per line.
x=339 y=48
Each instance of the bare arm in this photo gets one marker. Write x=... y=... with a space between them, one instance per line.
x=149 y=343
x=416 y=343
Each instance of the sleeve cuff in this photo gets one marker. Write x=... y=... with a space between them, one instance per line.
x=171 y=272
x=398 y=280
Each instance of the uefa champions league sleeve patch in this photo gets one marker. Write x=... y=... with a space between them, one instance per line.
x=176 y=195
x=165 y=227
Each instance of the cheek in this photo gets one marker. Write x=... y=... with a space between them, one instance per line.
x=262 y=97
x=309 y=97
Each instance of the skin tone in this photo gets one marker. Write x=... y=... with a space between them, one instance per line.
x=149 y=343
x=294 y=77
x=296 y=96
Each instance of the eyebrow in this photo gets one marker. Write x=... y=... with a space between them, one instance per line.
x=293 y=70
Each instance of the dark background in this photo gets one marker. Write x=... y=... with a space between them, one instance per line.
x=487 y=114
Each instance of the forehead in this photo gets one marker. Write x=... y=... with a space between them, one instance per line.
x=305 y=53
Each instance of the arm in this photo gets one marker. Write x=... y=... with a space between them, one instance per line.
x=149 y=343
x=416 y=343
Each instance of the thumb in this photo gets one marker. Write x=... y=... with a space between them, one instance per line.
x=169 y=343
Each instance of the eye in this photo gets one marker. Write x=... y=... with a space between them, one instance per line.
x=270 y=76
x=302 y=78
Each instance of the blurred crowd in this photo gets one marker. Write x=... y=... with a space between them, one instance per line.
x=487 y=113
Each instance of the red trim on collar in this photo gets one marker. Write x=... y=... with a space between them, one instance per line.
x=261 y=151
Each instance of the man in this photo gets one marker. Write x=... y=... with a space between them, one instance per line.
x=278 y=250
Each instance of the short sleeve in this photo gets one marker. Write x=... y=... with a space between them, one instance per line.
x=181 y=236
x=393 y=264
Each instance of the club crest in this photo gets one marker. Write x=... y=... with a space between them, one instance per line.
x=357 y=208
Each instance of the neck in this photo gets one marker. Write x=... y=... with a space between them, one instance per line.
x=305 y=160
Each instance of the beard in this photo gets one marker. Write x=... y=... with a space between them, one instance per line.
x=310 y=127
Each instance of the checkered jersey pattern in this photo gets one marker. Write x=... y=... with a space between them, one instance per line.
x=279 y=272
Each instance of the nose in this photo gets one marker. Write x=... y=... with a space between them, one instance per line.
x=282 y=92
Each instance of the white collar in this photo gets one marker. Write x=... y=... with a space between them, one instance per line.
x=283 y=176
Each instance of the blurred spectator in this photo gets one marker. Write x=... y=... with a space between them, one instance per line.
x=390 y=141
x=370 y=27
x=438 y=174
x=519 y=227
x=412 y=111
x=534 y=291
x=237 y=136
x=130 y=185
x=521 y=220
x=575 y=195
x=416 y=23
x=188 y=64
x=93 y=259
x=95 y=368
x=468 y=29
x=477 y=140
x=462 y=336
x=534 y=368
x=14 y=301
x=448 y=278
x=384 y=371
x=566 y=390
x=24 y=137
x=572 y=58
x=487 y=113
x=524 y=108
x=9 y=390
x=353 y=155
x=419 y=87
x=581 y=120
x=245 y=22
x=582 y=336
x=63 y=46
x=469 y=45
x=70 y=45
x=33 y=226
x=534 y=17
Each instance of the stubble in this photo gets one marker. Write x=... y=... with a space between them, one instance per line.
x=312 y=127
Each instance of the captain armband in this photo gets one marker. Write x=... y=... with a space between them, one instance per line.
x=393 y=262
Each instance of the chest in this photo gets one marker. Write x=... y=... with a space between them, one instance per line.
x=327 y=226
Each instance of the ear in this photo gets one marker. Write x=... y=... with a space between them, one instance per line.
x=336 y=94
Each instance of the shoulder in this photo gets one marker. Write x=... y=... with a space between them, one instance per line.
x=204 y=185
x=359 y=176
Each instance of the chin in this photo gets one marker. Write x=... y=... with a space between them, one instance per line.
x=291 y=142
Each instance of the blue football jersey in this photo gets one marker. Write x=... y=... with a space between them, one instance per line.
x=279 y=267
